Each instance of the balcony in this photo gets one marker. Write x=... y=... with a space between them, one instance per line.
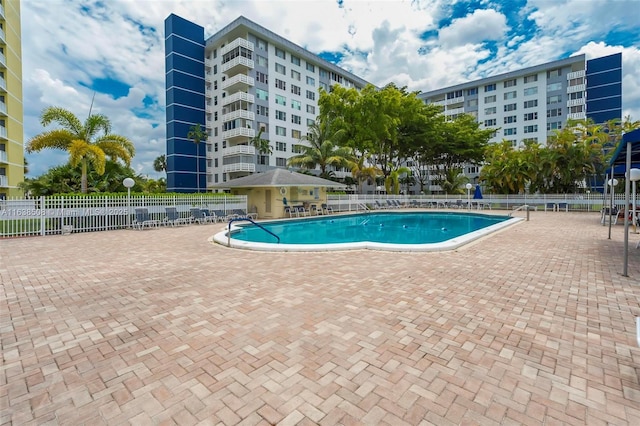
x=3 y=157
x=575 y=102
x=3 y=60
x=3 y=37
x=239 y=132
x=3 y=132
x=238 y=96
x=3 y=108
x=3 y=84
x=239 y=150
x=239 y=42
x=208 y=63
x=239 y=113
x=575 y=74
x=4 y=182
x=458 y=100
x=237 y=82
x=239 y=167
x=237 y=65
x=576 y=88
x=577 y=116
x=439 y=103
x=2 y=11
x=454 y=111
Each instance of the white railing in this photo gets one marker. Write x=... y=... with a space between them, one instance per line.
x=454 y=111
x=4 y=182
x=239 y=150
x=439 y=103
x=238 y=96
x=239 y=133
x=575 y=74
x=3 y=108
x=576 y=88
x=3 y=59
x=574 y=102
x=240 y=60
x=3 y=157
x=208 y=63
x=58 y=215
x=3 y=83
x=2 y=35
x=239 y=167
x=592 y=202
x=3 y=132
x=577 y=116
x=457 y=100
x=238 y=79
x=239 y=113
x=239 y=42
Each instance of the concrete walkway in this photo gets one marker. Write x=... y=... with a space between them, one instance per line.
x=532 y=325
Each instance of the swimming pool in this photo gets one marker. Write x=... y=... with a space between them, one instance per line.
x=394 y=231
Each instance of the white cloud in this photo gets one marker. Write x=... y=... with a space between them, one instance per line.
x=476 y=27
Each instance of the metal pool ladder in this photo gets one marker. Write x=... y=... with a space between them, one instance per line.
x=237 y=219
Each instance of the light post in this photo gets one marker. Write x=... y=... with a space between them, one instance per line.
x=612 y=183
x=468 y=186
x=128 y=183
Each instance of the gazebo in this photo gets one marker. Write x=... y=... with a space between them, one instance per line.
x=268 y=193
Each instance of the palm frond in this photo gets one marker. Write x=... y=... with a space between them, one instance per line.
x=56 y=139
x=117 y=140
x=63 y=117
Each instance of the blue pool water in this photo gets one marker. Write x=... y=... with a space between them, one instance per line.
x=404 y=228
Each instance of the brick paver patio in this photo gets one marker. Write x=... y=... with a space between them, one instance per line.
x=532 y=325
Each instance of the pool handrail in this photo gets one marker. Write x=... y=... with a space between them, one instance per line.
x=237 y=219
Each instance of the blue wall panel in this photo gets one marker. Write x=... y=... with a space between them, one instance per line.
x=604 y=88
x=607 y=91
x=184 y=62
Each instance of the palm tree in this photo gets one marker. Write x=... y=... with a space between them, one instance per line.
x=392 y=182
x=160 y=163
x=362 y=172
x=262 y=145
x=197 y=135
x=82 y=140
x=322 y=152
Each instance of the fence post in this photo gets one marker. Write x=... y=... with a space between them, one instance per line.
x=42 y=218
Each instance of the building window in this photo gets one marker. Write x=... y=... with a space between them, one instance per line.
x=215 y=147
x=576 y=95
x=281 y=146
x=295 y=90
x=489 y=111
x=310 y=121
x=297 y=149
x=281 y=162
x=554 y=86
x=280 y=53
x=262 y=110
x=555 y=99
x=531 y=104
x=576 y=109
x=295 y=60
x=311 y=81
x=281 y=115
x=531 y=129
x=281 y=131
x=531 y=78
x=263 y=160
x=473 y=91
x=576 y=81
x=556 y=125
x=531 y=116
x=262 y=77
x=311 y=109
x=531 y=91
x=323 y=86
x=311 y=95
x=509 y=107
x=490 y=123
x=489 y=99
x=510 y=131
x=281 y=100
x=510 y=95
x=489 y=88
x=262 y=94
x=262 y=45
x=296 y=134
x=472 y=102
x=311 y=67
x=455 y=94
x=281 y=84
x=296 y=119
x=510 y=119
x=295 y=75
x=510 y=83
x=323 y=73
x=554 y=73
x=555 y=112
x=296 y=104
x=262 y=61
x=281 y=69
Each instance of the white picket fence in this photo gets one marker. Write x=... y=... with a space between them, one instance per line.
x=60 y=215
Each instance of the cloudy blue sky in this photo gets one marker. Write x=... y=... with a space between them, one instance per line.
x=115 y=48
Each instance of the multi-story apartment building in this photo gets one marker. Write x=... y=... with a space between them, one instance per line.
x=529 y=104
x=241 y=83
x=11 y=111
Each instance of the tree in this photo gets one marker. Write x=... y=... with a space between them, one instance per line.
x=160 y=163
x=261 y=145
x=323 y=151
x=197 y=134
x=88 y=143
x=362 y=172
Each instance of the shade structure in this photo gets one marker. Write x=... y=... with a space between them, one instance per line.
x=477 y=194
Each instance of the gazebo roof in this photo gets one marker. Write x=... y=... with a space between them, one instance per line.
x=278 y=178
x=619 y=159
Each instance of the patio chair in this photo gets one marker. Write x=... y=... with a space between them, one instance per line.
x=326 y=209
x=290 y=211
x=173 y=217
x=143 y=219
x=208 y=216
x=563 y=206
x=242 y=213
x=302 y=211
x=196 y=215
x=550 y=206
x=315 y=210
x=379 y=205
x=220 y=215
